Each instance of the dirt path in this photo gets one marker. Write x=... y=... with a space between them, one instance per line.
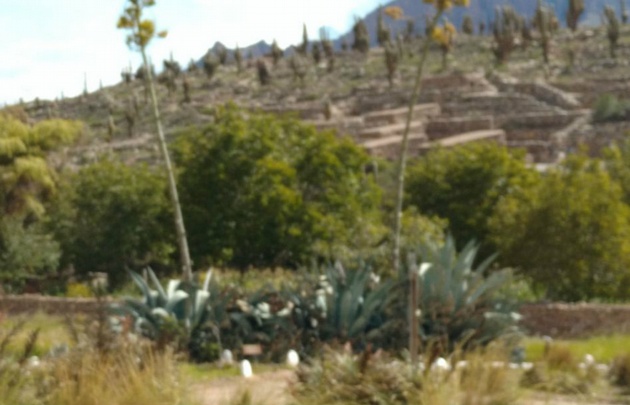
x=266 y=389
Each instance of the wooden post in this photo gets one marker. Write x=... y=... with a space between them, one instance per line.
x=413 y=316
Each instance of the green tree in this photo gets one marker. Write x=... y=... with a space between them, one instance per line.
x=27 y=182
x=142 y=31
x=26 y=251
x=26 y=179
x=110 y=217
x=259 y=190
x=572 y=238
x=464 y=185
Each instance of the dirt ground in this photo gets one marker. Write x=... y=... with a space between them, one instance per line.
x=271 y=388
x=266 y=389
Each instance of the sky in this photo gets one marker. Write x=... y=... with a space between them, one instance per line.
x=50 y=47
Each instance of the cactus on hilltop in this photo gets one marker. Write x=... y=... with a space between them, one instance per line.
x=391 y=63
x=316 y=51
x=299 y=68
x=210 y=65
x=383 y=33
x=468 y=26
x=238 y=58
x=303 y=48
x=410 y=29
x=444 y=36
x=263 y=73
x=505 y=31
x=361 y=37
x=613 y=28
x=222 y=55
x=276 y=53
x=186 y=89
x=576 y=8
x=127 y=75
x=329 y=52
x=546 y=24
x=482 y=28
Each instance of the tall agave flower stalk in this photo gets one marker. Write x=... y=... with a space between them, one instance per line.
x=441 y=6
x=141 y=34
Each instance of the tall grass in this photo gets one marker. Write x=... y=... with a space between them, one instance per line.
x=340 y=378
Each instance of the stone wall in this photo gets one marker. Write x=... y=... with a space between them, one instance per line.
x=554 y=319
x=24 y=304
x=575 y=320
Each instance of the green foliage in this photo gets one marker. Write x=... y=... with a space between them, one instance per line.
x=353 y=305
x=571 y=238
x=464 y=185
x=262 y=191
x=26 y=251
x=457 y=299
x=26 y=180
x=168 y=315
x=617 y=161
x=110 y=217
x=609 y=108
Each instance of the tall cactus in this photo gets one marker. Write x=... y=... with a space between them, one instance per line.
x=276 y=53
x=391 y=63
x=468 y=26
x=613 y=27
x=546 y=24
x=576 y=8
x=303 y=48
x=361 y=37
x=383 y=34
x=238 y=58
x=505 y=31
x=624 y=11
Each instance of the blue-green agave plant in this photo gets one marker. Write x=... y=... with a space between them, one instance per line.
x=351 y=305
x=456 y=298
x=179 y=304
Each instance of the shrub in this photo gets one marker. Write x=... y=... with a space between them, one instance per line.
x=609 y=108
x=620 y=371
x=464 y=185
x=264 y=191
x=110 y=217
x=571 y=237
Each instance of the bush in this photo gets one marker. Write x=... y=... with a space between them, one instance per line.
x=572 y=238
x=620 y=372
x=464 y=185
x=110 y=217
x=264 y=191
x=609 y=108
x=19 y=260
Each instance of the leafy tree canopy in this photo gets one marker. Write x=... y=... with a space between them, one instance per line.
x=572 y=238
x=263 y=191
x=110 y=217
x=465 y=184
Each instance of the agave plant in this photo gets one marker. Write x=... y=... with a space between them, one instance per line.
x=456 y=298
x=352 y=305
x=180 y=310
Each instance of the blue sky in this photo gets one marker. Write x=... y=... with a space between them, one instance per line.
x=47 y=46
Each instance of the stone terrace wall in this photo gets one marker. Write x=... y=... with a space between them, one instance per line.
x=555 y=319
x=575 y=320
x=24 y=304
